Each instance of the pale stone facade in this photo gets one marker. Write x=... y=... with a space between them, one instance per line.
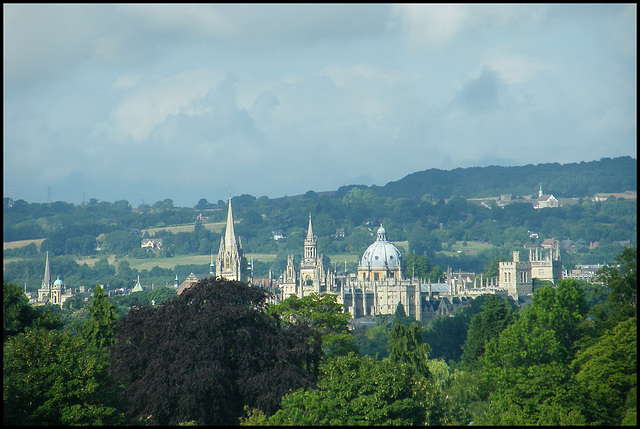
x=229 y=261
x=517 y=276
x=54 y=293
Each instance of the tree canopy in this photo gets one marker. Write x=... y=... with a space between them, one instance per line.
x=209 y=352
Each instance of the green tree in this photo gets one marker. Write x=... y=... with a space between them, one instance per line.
x=400 y=316
x=622 y=280
x=526 y=373
x=324 y=314
x=492 y=269
x=18 y=314
x=356 y=390
x=52 y=378
x=98 y=331
x=608 y=372
x=494 y=318
x=405 y=345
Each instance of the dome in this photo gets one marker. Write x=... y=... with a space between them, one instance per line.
x=58 y=282
x=381 y=254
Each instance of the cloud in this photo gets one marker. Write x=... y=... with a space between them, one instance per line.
x=481 y=94
x=147 y=103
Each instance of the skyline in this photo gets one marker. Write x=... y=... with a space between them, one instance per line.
x=149 y=102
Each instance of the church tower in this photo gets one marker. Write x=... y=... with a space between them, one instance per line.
x=312 y=275
x=229 y=264
x=45 y=291
x=310 y=246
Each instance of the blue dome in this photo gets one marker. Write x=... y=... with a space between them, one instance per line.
x=381 y=254
x=58 y=282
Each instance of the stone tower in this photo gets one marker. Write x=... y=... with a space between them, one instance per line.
x=44 y=292
x=229 y=262
x=312 y=275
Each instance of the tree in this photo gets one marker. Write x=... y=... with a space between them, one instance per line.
x=492 y=269
x=405 y=345
x=622 y=279
x=52 y=378
x=17 y=313
x=209 y=352
x=608 y=372
x=98 y=330
x=526 y=373
x=364 y=391
x=324 y=314
x=494 y=318
x=400 y=316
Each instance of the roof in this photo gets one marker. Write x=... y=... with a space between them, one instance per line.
x=381 y=254
x=187 y=283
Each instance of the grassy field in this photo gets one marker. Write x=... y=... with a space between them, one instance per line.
x=471 y=247
x=170 y=263
x=17 y=244
x=213 y=226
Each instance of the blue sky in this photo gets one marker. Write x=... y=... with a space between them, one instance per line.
x=148 y=102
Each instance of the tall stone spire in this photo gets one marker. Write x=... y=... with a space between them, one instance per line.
x=46 y=281
x=229 y=235
x=229 y=258
x=310 y=249
x=310 y=230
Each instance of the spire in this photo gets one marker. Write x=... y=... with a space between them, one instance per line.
x=310 y=230
x=229 y=234
x=46 y=281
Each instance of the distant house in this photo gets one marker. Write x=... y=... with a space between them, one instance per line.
x=151 y=243
x=549 y=243
x=546 y=201
x=627 y=195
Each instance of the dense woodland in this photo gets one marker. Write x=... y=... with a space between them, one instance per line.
x=221 y=354
x=425 y=209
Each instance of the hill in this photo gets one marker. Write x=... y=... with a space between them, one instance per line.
x=562 y=180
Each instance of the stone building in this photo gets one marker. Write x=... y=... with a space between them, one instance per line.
x=229 y=262
x=377 y=287
x=49 y=293
x=517 y=276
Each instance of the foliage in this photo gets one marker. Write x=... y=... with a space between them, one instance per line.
x=496 y=315
x=374 y=341
x=18 y=314
x=447 y=334
x=364 y=391
x=608 y=372
x=52 y=378
x=209 y=352
x=526 y=373
x=98 y=330
x=622 y=280
x=324 y=314
x=405 y=345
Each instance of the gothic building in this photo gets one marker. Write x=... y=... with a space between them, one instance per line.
x=50 y=293
x=229 y=262
x=517 y=276
x=380 y=283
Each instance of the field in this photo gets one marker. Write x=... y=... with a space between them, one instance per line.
x=213 y=226
x=17 y=244
x=472 y=247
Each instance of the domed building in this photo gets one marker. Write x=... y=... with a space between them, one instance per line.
x=381 y=261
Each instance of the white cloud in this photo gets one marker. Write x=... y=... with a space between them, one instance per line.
x=149 y=103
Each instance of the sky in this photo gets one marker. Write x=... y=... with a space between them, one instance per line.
x=190 y=101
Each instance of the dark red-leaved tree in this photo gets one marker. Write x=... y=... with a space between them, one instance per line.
x=207 y=353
